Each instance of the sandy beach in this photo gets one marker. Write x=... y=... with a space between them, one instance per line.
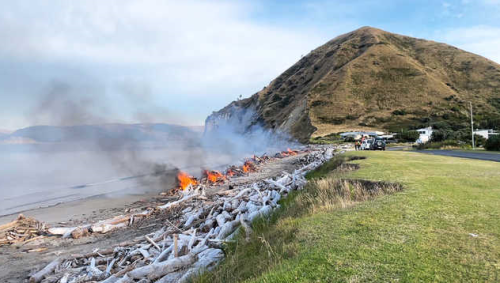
x=17 y=260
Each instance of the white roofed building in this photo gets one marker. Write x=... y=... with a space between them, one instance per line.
x=485 y=133
x=425 y=135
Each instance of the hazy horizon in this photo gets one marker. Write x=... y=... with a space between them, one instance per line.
x=176 y=62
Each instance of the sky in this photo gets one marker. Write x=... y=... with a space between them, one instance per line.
x=127 y=61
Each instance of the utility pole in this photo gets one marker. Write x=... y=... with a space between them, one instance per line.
x=471 y=125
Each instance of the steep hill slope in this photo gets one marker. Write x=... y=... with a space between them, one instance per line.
x=372 y=79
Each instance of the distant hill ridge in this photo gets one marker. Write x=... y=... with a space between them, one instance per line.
x=104 y=132
x=372 y=79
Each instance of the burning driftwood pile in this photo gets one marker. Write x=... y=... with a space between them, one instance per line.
x=177 y=252
x=23 y=229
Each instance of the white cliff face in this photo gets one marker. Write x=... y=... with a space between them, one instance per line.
x=239 y=130
x=233 y=118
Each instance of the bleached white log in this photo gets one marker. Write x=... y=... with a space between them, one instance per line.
x=177 y=202
x=193 y=217
x=278 y=185
x=61 y=230
x=181 y=243
x=171 y=277
x=110 y=266
x=264 y=211
x=227 y=229
x=266 y=197
x=164 y=254
x=275 y=198
x=92 y=269
x=65 y=278
x=209 y=223
x=158 y=270
x=207 y=259
x=192 y=240
x=152 y=242
x=37 y=277
x=144 y=253
x=235 y=203
x=105 y=227
x=205 y=239
x=222 y=218
x=251 y=207
x=217 y=229
x=284 y=181
x=243 y=192
x=211 y=211
x=125 y=279
x=242 y=207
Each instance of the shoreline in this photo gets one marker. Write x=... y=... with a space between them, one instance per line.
x=90 y=208
x=37 y=253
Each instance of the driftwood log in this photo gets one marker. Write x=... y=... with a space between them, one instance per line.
x=40 y=275
x=175 y=253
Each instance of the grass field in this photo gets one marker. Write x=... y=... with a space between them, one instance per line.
x=444 y=226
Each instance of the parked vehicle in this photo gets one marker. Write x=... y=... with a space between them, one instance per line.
x=367 y=144
x=378 y=144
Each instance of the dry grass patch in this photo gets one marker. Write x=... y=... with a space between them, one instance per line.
x=333 y=193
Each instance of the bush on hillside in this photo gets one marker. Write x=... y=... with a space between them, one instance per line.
x=439 y=135
x=408 y=136
x=493 y=143
x=399 y=112
x=479 y=140
x=441 y=125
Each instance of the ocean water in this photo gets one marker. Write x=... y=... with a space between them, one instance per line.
x=41 y=175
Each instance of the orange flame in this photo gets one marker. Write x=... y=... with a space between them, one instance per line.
x=214 y=176
x=185 y=180
x=248 y=166
x=230 y=173
x=291 y=152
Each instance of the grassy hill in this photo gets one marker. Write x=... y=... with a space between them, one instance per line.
x=372 y=79
x=443 y=227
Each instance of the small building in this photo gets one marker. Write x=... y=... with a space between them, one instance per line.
x=485 y=133
x=359 y=134
x=424 y=135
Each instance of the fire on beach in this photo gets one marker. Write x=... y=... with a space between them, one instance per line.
x=191 y=240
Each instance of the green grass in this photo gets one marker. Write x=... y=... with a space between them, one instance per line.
x=420 y=234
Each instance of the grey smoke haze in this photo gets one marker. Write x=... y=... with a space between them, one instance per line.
x=80 y=114
x=63 y=104
x=239 y=131
x=79 y=152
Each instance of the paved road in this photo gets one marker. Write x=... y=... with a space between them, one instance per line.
x=464 y=154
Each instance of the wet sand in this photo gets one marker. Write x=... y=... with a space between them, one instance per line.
x=96 y=207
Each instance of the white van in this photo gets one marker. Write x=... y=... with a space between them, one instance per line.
x=367 y=144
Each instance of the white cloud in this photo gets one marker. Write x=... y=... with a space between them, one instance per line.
x=482 y=40
x=209 y=50
x=209 y=38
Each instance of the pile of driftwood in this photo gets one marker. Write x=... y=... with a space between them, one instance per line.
x=122 y=221
x=23 y=229
x=177 y=252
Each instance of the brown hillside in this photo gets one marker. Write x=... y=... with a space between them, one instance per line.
x=372 y=79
